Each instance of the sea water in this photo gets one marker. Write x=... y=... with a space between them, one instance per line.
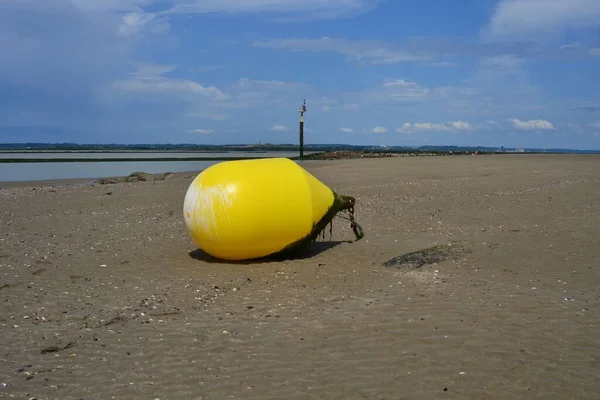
x=39 y=171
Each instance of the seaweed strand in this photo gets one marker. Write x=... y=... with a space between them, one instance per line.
x=341 y=203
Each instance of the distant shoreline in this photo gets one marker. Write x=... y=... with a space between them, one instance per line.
x=262 y=147
x=314 y=155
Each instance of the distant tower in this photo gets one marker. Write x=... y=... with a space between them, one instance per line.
x=302 y=111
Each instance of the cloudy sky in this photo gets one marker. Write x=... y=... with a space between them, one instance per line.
x=466 y=72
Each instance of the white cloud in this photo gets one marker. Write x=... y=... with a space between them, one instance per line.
x=203 y=113
x=595 y=52
x=443 y=64
x=179 y=98
x=246 y=84
x=501 y=61
x=574 y=45
x=400 y=88
x=411 y=127
x=324 y=8
x=154 y=16
x=209 y=68
x=398 y=83
x=527 y=18
x=532 y=124
x=347 y=130
x=137 y=14
x=595 y=124
x=193 y=100
x=429 y=52
x=379 y=129
x=393 y=92
x=586 y=105
x=165 y=86
x=279 y=128
x=368 y=51
x=152 y=70
x=201 y=131
x=120 y=6
x=324 y=104
x=451 y=126
x=132 y=14
x=134 y=22
x=351 y=107
x=249 y=93
x=461 y=125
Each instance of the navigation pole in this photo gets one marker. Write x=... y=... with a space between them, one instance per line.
x=302 y=111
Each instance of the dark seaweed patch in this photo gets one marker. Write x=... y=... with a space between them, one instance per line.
x=54 y=349
x=419 y=258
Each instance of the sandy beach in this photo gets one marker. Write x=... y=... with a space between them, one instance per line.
x=105 y=296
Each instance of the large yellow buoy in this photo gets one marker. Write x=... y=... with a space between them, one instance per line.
x=247 y=209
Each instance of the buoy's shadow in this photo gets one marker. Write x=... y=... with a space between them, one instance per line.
x=315 y=249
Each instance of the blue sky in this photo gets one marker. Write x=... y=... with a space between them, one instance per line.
x=522 y=73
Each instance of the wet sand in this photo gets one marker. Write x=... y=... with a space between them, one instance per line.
x=105 y=296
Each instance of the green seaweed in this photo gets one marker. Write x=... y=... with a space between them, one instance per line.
x=340 y=203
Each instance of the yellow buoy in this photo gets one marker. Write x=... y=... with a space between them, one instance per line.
x=246 y=209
